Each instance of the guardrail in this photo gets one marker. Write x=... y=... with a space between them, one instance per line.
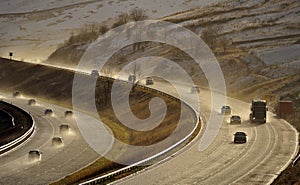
x=12 y=118
x=105 y=177
x=22 y=138
x=296 y=160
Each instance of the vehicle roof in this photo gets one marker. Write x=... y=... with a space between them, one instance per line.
x=56 y=137
x=240 y=133
x=226 y=106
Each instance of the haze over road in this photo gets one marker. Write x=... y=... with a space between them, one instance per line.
x=269 y=148
x=56 y=162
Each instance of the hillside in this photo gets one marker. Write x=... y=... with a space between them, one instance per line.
x=255 y=43
x=42 y=25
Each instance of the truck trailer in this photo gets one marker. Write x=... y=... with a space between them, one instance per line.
x=258 y=111
x=284 y=108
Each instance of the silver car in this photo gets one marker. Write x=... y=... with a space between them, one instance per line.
x=226 y=109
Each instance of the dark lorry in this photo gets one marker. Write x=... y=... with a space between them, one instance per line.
x=258 y=111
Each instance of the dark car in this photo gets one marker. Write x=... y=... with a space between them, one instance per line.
x=240 y=137
x=64 y=128
x=226 y=109
x=35 y=155
x=68 y=114
x=235 y=119
x=149 y=81
x=48 y=112
x=16 y=94
x=57 y=141
x=31 y=102
x=132 y=78
x=95 y=73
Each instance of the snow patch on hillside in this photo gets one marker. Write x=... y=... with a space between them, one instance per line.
x=276 y=56
x=36 y=34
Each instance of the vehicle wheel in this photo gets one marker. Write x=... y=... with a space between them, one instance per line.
x=251 y=117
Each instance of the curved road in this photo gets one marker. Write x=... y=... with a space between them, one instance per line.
x=56 y=163
x=269 y=148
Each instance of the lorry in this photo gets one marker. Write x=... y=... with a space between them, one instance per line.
x=258 y=111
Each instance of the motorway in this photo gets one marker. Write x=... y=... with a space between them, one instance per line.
x=268 y=150
x=57 y=162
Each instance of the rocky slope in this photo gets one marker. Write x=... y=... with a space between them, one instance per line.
x=247 y=37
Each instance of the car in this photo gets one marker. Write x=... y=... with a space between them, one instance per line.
x=235 y=119
x=48 y=112
x=64 y=129
x=16 y=94
x=95 y=73
x=226 y=109
x=240 y=137
x=149 y=81
x=68 y=114
x=34 y=155
x=57 y=141
x=31 y=102
x=195 y=89
x=132 y=78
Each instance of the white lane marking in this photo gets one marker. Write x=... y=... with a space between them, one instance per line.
x=268 y=154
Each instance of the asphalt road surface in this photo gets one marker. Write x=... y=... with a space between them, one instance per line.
x=56 y=162
x=268 y=149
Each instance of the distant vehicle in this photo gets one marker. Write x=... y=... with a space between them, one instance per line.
x=131 y=78
x=16 y=94
x=226 y=109
x=235 y=119
x=95 y=73
x=57 y=141
x=149 y=81
x=48 y=112
x=240 y=137
x=31 y=102
x=35 y=155
x=195 y=89
x=64 y=128
x=258 y=111
x=68 y=114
